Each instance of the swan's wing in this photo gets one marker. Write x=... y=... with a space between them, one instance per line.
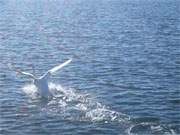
x=20 y=72
x=59 y=66
x=27 y=74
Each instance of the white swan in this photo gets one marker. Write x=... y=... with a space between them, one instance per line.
x=42 y=82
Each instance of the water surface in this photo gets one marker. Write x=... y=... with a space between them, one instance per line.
x=125 y=74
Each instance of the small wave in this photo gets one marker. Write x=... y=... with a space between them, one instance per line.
x=103 y=114
x=150 y=129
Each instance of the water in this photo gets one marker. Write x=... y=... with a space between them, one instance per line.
x=125 y=74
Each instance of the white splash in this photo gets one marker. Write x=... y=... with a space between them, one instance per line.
x=31 y=91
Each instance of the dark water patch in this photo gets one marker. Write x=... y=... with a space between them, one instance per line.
x=175 y=101
x=145 y=119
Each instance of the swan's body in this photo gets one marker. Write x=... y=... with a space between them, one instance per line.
x=41 y=83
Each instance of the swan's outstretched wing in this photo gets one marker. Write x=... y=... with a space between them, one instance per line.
x=20 y=72
x=25 y=73
x=59 y=66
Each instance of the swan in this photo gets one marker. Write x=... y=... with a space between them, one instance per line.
x=41 y=82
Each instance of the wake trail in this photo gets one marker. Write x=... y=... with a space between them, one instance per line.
x=72 y=105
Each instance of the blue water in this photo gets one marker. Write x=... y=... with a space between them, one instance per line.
x=125 y=74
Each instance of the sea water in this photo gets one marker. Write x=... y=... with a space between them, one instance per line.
x=124 y=78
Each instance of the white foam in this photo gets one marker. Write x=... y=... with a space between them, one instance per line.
x=31 y=91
